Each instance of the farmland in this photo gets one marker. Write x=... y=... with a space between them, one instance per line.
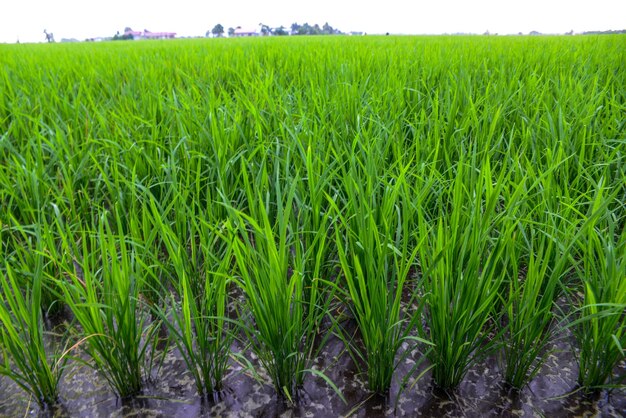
x=352 y=222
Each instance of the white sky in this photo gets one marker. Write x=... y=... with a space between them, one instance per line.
x=26 y=19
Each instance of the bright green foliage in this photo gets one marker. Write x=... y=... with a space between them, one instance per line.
x=103 y=289
x=286 y=307
x=26 y=359
x=198 y=325
x=459 y=261
x=449 y=182
x=532 y=291
x=537 y=259
x=601 y=327
x=375 y=258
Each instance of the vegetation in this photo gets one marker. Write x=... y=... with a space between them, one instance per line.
x=27 y=359
x=218 y=30
x=102 y=287
x=460 y=262
x=376 y=257
x=459 y=196
x=599 y=328
x=306 y=29
x=199 y=275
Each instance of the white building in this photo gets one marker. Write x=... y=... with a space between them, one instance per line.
x=146 y=34
x=243 y=32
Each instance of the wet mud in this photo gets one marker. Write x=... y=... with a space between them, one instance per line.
x=481 y=394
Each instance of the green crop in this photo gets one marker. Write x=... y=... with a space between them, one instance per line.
x=376 y=259
x=26 y=357
x=460 y=265
x=286 y=307
x=458 y=196
x=198 y=324
x=102 y=287
x=600 y=328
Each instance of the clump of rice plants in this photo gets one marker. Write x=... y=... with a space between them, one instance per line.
x=460 y=263
x=102 y=287
x=529 y=308
x=201 y=261
x=26 y=358
x=373 y=246
x=284 y=316
x=537 y=259
x=600 y=329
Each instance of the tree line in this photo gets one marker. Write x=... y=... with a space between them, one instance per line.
x=296 y=29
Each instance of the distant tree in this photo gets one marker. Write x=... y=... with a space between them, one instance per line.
x=305 y=29
x=127 y=36
x=218 y=30
x=280 y=31
x=265 y=30
x=231 y=31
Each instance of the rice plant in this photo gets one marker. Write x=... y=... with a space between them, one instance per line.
x=196 y=312
x=538 y=261
x=600 y=329
x=27 y=358
x=460 y=263
x=102 y=287
x=530 y=313
x=284 y=318
x=376 y=261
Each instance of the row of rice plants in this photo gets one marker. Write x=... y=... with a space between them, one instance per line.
x=444 y=203
x=93 y=300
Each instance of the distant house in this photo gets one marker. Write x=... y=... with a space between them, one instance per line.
x=243 y=32
x=146 y=34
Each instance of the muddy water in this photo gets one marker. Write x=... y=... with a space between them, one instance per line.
x=482 y=394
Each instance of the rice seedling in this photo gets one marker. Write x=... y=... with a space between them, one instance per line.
x=460 y=263
x=600 y=329
x=376 y=260
x=538 y=260
x=532 y=290
x=102 y=287
x=198 y=321
x=27 y=358
x=284 y=319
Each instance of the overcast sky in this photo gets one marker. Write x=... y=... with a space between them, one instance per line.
x=26 y=19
